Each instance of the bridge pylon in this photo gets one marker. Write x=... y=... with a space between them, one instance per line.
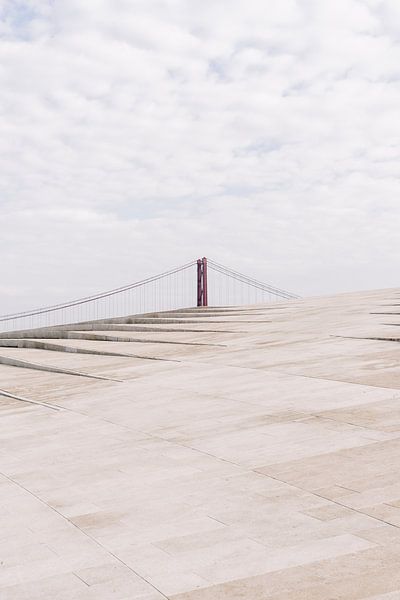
x=202 y=289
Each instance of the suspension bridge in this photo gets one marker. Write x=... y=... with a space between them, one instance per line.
x=199 y=283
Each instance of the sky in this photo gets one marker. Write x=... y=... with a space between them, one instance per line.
x=137 y=135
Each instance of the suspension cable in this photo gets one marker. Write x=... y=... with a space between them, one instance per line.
x=250 y=281
x=98 y=296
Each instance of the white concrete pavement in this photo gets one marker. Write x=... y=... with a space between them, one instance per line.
x=256 y=459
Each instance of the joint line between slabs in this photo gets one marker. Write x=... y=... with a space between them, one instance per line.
x=13 y=481
x=360 y=512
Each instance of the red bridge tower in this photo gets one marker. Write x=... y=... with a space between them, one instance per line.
x=202 y=292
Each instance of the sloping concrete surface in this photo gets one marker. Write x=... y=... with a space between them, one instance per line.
x=258 y=460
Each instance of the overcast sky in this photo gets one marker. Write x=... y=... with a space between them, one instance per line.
x=136 y=135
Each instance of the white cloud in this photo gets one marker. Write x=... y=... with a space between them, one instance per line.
x=138 y=135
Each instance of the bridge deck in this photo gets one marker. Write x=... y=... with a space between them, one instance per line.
x=257 y=459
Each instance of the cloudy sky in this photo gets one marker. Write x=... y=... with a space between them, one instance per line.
x=136 y=135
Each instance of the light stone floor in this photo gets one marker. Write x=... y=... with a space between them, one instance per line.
x=256 y=459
